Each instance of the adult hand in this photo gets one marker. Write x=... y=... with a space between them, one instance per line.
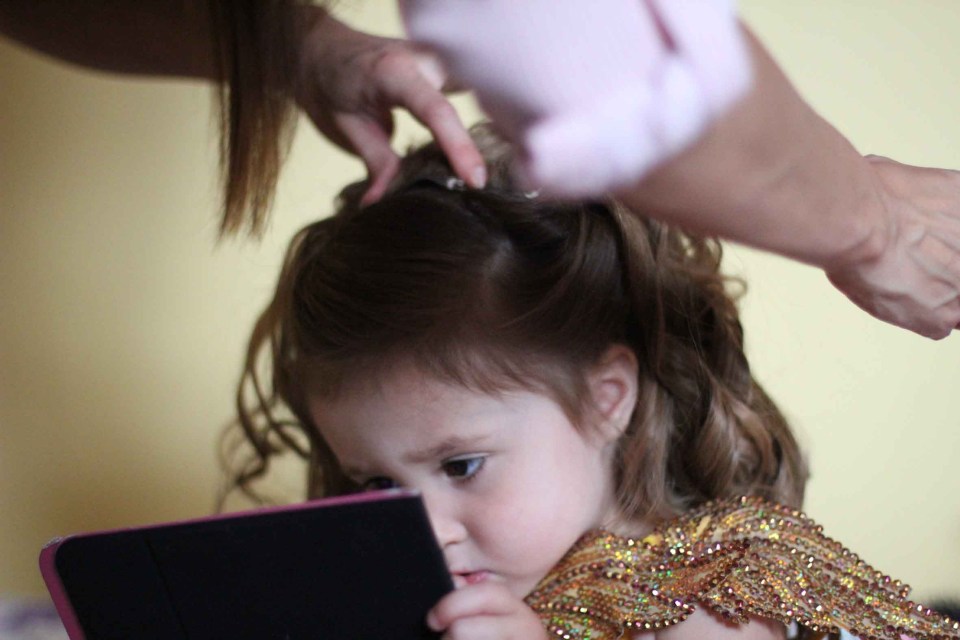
x=485 y=611
x=912 y=277
x=350 y=81
x=595 y=94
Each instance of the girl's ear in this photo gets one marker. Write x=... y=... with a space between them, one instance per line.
x=613 y=390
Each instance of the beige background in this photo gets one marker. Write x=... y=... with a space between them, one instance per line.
x=122 y=322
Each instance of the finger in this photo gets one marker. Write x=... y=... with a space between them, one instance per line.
x=325 y=123
x=479 y=628
x=941 y=311
x=432 y=69
x=471 y=601
x=370 y=141
x=937 y=253
x=416 y=86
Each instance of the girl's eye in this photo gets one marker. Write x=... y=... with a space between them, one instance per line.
x=463 y=468
x=379 y=483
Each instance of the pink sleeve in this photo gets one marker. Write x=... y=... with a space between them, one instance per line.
x=598 y=93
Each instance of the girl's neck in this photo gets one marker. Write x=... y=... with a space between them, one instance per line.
x=629 y=527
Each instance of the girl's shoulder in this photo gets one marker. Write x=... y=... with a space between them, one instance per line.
x=741 y=559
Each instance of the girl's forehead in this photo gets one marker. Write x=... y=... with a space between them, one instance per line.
x=393 y=376
x=427 y=406
x=388 y=381
x=404 y=390
x=403 y=395
x=407 y=416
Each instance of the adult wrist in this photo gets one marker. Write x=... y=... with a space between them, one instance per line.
x=866 y=232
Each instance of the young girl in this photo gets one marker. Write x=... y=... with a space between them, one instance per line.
x=565 y=385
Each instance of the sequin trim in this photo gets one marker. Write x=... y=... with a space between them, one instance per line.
x=741 y=558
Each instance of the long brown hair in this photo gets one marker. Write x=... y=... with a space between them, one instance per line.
x=255 y=54
x=495 y=289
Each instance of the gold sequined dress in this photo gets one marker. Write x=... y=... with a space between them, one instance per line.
x=741 y=558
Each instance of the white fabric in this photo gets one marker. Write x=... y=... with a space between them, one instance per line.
x=596 y=93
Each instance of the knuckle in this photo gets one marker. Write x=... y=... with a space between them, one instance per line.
x=391 y=60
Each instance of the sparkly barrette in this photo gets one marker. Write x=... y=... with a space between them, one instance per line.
x=453 y=183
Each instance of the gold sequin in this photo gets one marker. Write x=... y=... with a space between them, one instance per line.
x=741 y=558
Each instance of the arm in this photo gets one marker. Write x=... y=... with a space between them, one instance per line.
x=152 y=37
x=191 y=39
x=272 y=55
x=774 y=175
x=665 y=116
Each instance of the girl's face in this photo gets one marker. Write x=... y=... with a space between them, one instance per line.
x=507 y=480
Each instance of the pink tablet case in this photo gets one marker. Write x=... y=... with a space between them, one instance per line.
x=363 y=566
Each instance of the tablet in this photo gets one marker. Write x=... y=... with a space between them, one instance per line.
x=356 y=567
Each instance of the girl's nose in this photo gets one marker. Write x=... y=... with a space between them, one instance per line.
x=447 y=525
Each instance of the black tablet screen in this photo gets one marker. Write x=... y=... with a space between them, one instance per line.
x=351 y=571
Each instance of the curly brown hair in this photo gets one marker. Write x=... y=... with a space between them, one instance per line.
x=494 y=289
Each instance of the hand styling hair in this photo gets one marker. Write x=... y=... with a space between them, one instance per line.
x=496 y=290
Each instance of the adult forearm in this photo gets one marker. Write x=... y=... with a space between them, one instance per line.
x=774 y=175
x=150 y=37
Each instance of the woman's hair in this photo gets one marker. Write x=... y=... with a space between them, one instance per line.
x=255 y=56
x=495 y=289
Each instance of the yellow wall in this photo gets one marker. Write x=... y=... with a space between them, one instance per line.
x=122 y=324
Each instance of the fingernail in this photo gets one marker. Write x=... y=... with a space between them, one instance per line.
x=478 y=179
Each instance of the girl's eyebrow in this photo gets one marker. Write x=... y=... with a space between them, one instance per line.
x=444 y=448
x=353 y=471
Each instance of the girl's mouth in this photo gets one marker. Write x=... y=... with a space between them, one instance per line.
x=465 y=578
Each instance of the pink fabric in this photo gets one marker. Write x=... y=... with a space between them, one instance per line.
x=596 y=93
